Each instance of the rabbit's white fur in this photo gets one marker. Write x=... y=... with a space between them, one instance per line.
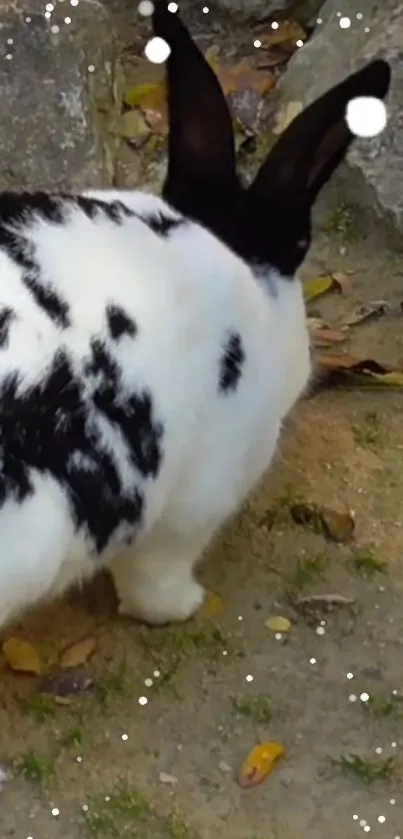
x=184 y=291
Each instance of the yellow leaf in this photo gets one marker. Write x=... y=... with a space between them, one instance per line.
x=152 y=100
x=212 y=606
x=22 y=656
x=286 y=116
x=278 y=624
x=78 y=653
x=318 y=286
x=135 y=96
x=259 y=763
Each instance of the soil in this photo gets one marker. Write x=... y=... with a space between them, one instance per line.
x=105 y=765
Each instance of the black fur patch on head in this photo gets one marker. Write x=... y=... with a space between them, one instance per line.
x=119 y=322
x=17 y=212
x=162 y=224
x=53 y=427
x=6 y=317
x=231 y=363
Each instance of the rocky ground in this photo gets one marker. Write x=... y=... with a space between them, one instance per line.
x=328 y=687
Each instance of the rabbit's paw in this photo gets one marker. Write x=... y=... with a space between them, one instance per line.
x=171 y=600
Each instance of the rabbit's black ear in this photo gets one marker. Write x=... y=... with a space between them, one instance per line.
x=313 y=146
x=201 y=151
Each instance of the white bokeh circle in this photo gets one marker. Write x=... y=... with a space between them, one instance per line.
x=157 y=50
x=366 y=116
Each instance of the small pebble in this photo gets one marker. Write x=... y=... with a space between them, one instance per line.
x=166 y=778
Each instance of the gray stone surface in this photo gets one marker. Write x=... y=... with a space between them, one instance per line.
x=375 y=166
x=302 y=10
x=49 y=136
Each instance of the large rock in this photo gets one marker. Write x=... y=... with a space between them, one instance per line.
x=49 y=136
x=375 y=167
x=302 y=10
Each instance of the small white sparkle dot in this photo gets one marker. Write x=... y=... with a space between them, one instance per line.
x=278 y=636
x=394 y=745
x=381 y=819
x=79 y=759
x=319 y=20
x=299 y=43
x=156 y=674
x=28 y=19
x=378 y=750
x=392 y=801
x=107 y=798
x=143 y=700
x=397 y=837
x=206 y=10
x=49 y=7
x=312 y=661
x=257 y=43
x=125 y=736
x=240 y=618
x=350 y=675
x=146 y=8
x=85 y=808
x=55 y=29
x=48 y=15
x=172 y=7
x=148 y=683
x=394 y=691
x=345 y=22
x=249 y=678
x=367 y=29
x=55 y=811
x=359 y=15
x=362 y=822
x=355 y=817
x=224 y=652
x=352 y=697
x=274 y=24
x=367 y=828
x=157 y=50
x=9 y=56
x=73 y=2
x=67 y=19
x=10 y=40
x=320 y=630
x=364 y=697
x=91 y=68
x=338 y=14
x=323 y=623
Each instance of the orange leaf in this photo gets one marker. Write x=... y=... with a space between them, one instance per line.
x=287 y=35
x=212 y=606
x=259 y=763
x=22 y=656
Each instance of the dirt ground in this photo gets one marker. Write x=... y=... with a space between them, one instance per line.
x=110 y=767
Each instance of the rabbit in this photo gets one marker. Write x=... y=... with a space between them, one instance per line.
x=151 y=347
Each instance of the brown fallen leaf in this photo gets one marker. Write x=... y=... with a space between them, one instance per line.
x=237 y=78
x=78 y=653
x=259 y=764
x=318 y=286
x=348 y=371
x=67 y=685
x=337 y=526
x=22 y=656
x=287 y=34
x=367 y=311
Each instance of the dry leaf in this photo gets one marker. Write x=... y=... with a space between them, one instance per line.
x=374 y=309
x=347 y=370
x=322 y=336
x=243 y=76
x=286 y=116
x=22 y=656
x=318 y=286
x=278 y=624
x=78 y=653
x=259 y=764
x=212 y=606
x=152 y=101
x=338 y=526
x=67 y=685
x=288 y=33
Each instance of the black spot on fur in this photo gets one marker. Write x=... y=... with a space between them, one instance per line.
x=53 y=427
x=231 y=363
x=17 y=213
x=6 y=317
x=119 y=322
x=161 y=224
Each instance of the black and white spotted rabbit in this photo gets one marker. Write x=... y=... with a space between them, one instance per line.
x=150 y=348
